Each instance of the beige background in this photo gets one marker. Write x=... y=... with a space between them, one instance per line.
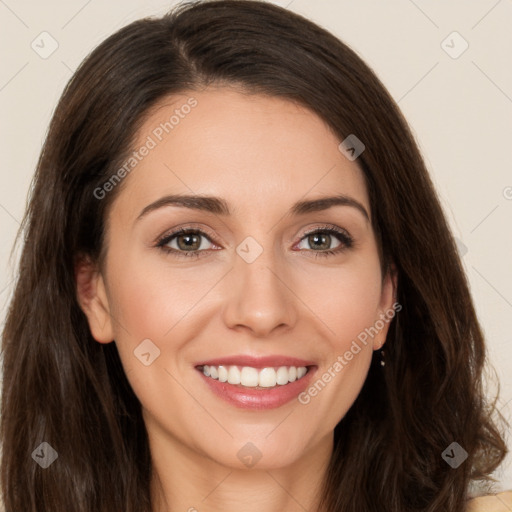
x=459 y=107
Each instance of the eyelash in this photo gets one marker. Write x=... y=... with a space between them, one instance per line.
x=346 y=240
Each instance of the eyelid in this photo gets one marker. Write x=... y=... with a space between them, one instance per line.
x=203 y=231
x=326 y=227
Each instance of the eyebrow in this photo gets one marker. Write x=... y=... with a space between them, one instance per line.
x=219 y=206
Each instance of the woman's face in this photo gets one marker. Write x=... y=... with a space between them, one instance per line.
x=253 y=280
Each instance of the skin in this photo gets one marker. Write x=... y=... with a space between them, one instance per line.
x=261 y=154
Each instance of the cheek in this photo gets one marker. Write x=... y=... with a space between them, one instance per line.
x=169 y=305
x=351 y=311
x=154 y=309
x=346 y=299
x=150 y=299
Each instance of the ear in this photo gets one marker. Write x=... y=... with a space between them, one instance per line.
x=388 y=306
x=93 y=300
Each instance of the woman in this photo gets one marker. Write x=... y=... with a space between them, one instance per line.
x=230 y=218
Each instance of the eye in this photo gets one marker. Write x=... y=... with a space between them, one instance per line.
x=187 y=242
x=322 y=237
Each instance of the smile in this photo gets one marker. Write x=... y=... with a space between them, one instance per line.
x=247 y=387
x=250 y=377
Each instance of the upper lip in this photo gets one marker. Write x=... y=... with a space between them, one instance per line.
x=256 y=362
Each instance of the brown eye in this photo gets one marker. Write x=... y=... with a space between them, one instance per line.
x=189 y=242
x=321 y=239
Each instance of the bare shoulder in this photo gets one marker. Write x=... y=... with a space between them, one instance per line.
x=501 y=502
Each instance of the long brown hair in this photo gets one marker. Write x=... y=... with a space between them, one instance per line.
x=63 y=388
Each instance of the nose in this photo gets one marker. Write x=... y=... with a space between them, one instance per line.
x=258 y=296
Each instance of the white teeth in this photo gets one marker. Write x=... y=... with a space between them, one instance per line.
x=267 y=378
x=249 y=377
x=282 y=375
x=253 y=377
x=234 y=375
x=223 y=374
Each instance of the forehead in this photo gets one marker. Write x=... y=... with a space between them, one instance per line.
x=256 y=151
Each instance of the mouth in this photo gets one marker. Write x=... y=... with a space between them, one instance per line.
x=248 y=387
x=255 y=378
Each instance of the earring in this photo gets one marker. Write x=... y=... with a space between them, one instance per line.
x=382 y=360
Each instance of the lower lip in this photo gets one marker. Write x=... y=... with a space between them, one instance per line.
x=251 y=398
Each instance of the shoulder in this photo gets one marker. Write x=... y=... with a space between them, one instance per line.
x=501 y=502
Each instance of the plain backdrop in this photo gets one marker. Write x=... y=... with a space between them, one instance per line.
x=447 y=64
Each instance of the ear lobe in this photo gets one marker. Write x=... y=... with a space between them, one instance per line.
x=387 y=305
x=93 y=300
